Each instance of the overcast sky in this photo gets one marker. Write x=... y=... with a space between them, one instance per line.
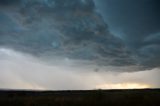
x=79 y=44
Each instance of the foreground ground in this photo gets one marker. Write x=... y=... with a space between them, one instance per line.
x=146 y=97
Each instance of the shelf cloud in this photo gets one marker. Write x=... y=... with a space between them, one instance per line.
x=68 y=38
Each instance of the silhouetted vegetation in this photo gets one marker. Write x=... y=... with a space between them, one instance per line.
x=147 y=97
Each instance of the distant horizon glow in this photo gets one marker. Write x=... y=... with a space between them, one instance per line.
x=124 y=86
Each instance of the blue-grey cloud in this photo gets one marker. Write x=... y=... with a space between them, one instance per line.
x=9 y=2
x=80 y=30
x=137 y=23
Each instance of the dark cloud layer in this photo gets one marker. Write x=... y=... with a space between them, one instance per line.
x=9 y=2
x=74 y=29
x=137 y=23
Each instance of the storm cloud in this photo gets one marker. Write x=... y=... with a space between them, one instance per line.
x=79 y=44
x=70 y=29
x=107 y=32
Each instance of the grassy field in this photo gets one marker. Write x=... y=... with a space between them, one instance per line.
x=145 y=97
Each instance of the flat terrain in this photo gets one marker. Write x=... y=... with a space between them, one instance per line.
x=145 y=97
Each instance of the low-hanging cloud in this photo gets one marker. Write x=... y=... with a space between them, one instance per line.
x=23 y=71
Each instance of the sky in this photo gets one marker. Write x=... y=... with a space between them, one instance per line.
x=79 y=44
